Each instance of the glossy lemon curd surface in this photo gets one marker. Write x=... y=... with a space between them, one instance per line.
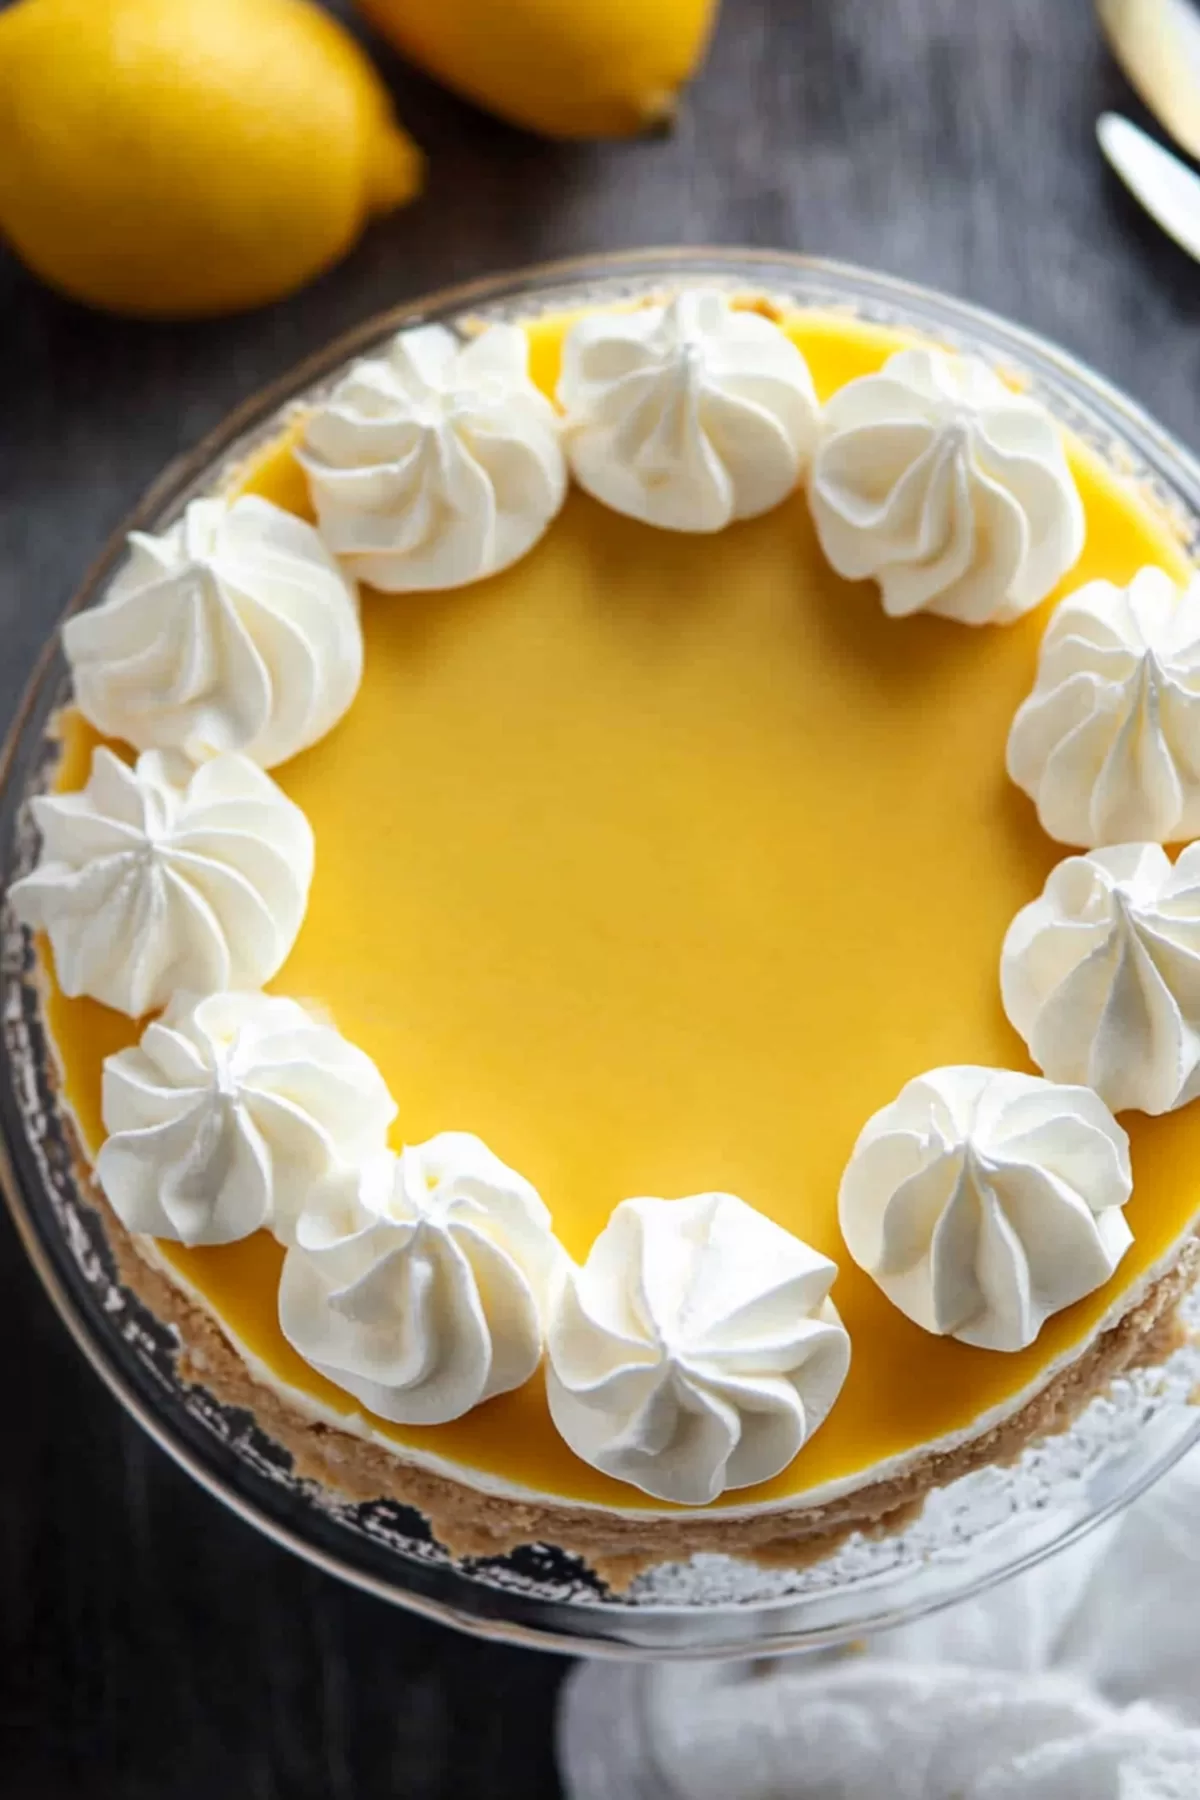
x=661 y=862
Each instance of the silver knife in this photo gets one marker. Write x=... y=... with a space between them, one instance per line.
x=1165 y=186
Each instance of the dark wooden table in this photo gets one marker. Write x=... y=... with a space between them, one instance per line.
x=151 y=1647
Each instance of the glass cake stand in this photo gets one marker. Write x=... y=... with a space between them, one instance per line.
x=974 y=1532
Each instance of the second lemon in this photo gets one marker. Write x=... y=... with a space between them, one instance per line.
x=566 y=68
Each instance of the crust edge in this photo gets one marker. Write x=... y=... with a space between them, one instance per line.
x=471 y=1523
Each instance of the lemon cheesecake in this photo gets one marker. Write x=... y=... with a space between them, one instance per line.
x=614 y=931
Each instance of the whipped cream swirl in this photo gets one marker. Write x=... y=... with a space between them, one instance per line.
x=696 y=1349
x=1108 y=743
x=982 y=1201
x=437 y=463
x=1101 y=976
x=422 y=1290
x=165 y=876
x=688 y=415
x=227 y=1115
x=236 y=630
x=950 y=490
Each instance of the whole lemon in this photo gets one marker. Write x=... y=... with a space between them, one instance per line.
x=170 y=158
x=566 y=68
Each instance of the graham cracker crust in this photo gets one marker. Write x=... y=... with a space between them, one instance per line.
x=617 y=1546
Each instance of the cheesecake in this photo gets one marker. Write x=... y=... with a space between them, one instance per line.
x=616 y=929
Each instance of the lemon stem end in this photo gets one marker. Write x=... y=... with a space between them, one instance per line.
x=395 y=172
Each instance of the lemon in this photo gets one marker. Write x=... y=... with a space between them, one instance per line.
x=566 y=68
x=171 y=158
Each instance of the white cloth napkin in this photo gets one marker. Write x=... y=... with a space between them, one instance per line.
x=1079 y=1680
